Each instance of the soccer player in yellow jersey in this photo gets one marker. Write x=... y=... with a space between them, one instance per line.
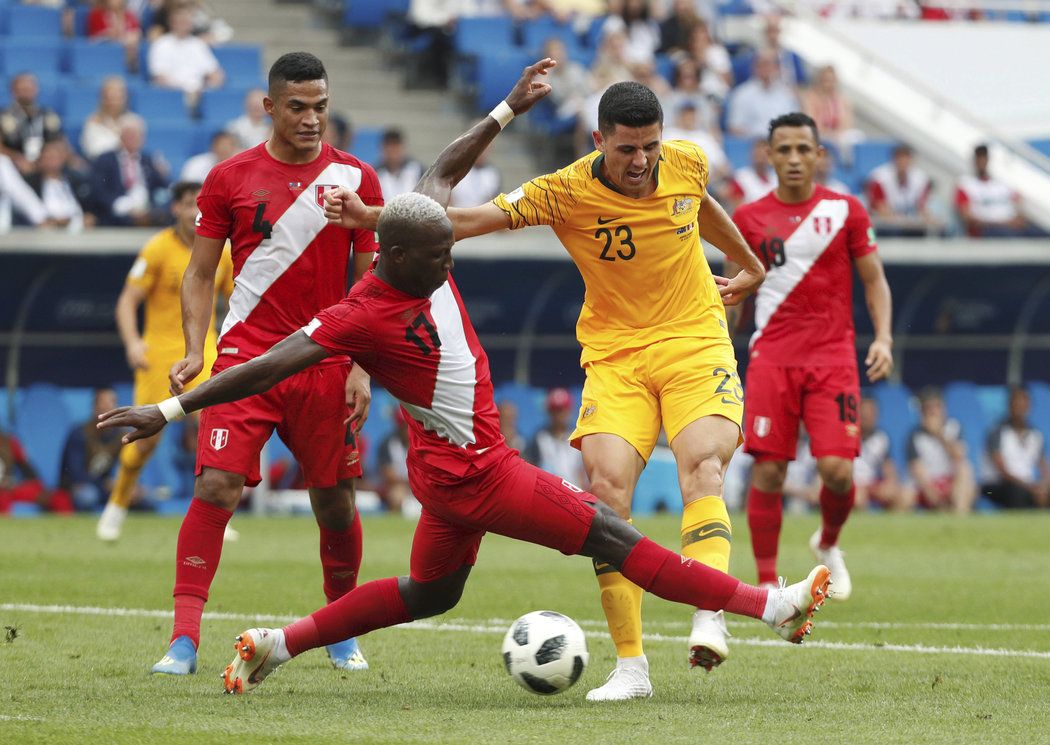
x=656 y=350
x=155 y=279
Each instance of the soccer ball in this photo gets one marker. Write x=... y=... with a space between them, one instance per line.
x=545 y=652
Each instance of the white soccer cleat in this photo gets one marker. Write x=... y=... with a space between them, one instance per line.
x=832 y=558
x=708 y=647
x=625 y=682
x=229 y=535
x=111 y=522
x=255 y=660
x=795 y=604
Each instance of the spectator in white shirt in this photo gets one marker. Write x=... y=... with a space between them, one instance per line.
x=223 y=145
x=691 y=83
x=63 y=190
x=634 y=18
x=101 y=133
x=752 y=105
x=1018 y=454
x=550 y=448
x=874 y=473
x=898 y=192
x=17 y=194
x=481 y=184
x=180 y=60
x=753 y=181
x=398 y=173
x=686 y=126
x=254 y=125
x=941 y=475
x=988 y=207
x=712 y=58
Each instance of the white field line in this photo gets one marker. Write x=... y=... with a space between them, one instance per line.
x=499 y=626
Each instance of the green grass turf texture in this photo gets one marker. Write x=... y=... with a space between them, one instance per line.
x=80 y=678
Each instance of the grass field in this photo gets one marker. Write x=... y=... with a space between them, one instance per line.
x=946 y=640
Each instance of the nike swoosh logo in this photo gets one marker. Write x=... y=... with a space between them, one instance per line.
x=607 y=220
x=600 y=565
x=791 y=618
x=251 y=676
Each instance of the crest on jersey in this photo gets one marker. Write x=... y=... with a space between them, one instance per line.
x=321 y=189
x=681 y=206
x=219 y=438
x=591 y=408
x=762 y=426
x=822 y=225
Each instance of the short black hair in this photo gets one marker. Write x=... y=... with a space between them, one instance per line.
x=903 y=148
x=981 y=151
x=296 y=67
x=630 y=104
x=183 y=188
x=794 y=119
x=392 y=136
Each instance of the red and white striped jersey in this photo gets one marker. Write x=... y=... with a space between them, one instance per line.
x=425 y=352
x=747 y=184
x=288 y=261
x=904 y=197
x=804 y=309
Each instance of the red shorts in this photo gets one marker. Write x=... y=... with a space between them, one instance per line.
x=308 y=410
x=826 y=399
x=509 y=497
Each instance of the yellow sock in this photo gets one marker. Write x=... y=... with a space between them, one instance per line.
x=707 y=533
x=131 y=463
x=622 y=603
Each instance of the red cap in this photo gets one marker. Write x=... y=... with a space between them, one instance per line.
x=558 y=398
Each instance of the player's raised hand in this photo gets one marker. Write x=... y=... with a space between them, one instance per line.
x=879 y=360
x=136 y=355
x=527 y=91
x=734 y=291
x=358 y=398
x=145 y=421
x=183 y=371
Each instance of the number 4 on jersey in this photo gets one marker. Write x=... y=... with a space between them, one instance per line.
x=259 y=225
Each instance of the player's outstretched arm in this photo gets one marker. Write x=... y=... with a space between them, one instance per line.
x=294 y=353
x=718 y=230
x=198 y=299
x=879 y=359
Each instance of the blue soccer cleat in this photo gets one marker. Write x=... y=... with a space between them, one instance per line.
x=347 y=656
x=180 y=659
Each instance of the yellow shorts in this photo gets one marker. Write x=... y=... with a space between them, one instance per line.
x=672 y=382
x=153 y=386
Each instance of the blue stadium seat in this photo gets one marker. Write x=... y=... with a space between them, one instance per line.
x=366 y=144
x=95 y=60
x=174 y=139
x=34 y=20
x=370 y=14
x=80 y=20
x=78 y=103
x=242 y=64
x=741 y=64
x=496 y=76
x=483 y=36
x=219 y=106
x=42 y=57
x=530 y=403
x=962 y=399
x=1040 y=393
x=897 y=417
x=735 y=8
x=658 y=486
x=79 y=402
x=1043 y=146
x=738 y=150
x=537 y=31
x=42 y=424
x=870 y=154
x=159 y=103
x=25 y=509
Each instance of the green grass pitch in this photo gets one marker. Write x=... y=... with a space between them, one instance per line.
x=946 y=640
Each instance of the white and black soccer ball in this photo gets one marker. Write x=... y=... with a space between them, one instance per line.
x=545 y=652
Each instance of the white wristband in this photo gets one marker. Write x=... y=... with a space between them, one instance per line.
x=502 y=114
x=171 y=409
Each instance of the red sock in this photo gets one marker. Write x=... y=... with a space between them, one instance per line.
x=340 y=559
x=834 y=510
x=196 y=560
x=765 y=512
x=373 y=605
x=674 y=577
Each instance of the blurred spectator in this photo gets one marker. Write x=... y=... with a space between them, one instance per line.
x=19 y=481
x=569 y=83
x=686 y=126
x=941 y=474
x=1018 y=455
x=25 y=125
x=676 y=27
x=128 y=183
x=508 y=424
x=752 y=105
x=480 y=185
x=832 y=110
x=634 y=18
x=824 y=172
x=611 y=64
x=101 y=132
x=790 y=64
x=393 y=469
x=180 y=60
x=430 y=26
x=17 y=196
x=898 y=192
x=204 y=23
x=712 y=59
x=550 y=448
x=89 y=455
x=223 y=145
x=874 y=472
x=63 y=189
x=254 y=125
x=568 y=10
x=398 y=173
x=112 y=21
x=339 y=133
x=988 y=207
x=752 y=181
x=648 y=75
x=688 y=85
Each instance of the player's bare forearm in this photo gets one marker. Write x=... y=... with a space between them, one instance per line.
x=126 y=315
x=876 y=295
x=198 y=292
x=481 y=220
x=718 y=229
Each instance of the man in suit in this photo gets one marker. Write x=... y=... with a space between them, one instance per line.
x=129 y=185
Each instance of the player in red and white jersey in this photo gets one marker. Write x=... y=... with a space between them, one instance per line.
x=405 y=323
x=288 y=264
x=803 y=358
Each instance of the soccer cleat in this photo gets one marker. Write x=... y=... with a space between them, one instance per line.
x=229 y=535
x=180 y=659
x=255 y=660
x=110 y=522
x=624 y=683
x=795 y=604
x=347 y=656
x=707 y=642
x=832 y=558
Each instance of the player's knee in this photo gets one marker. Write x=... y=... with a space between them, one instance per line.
x=426 y=599
x=836 y=474
x=220 y=488
x=611 y=537
x=703 y=475
x=769 y=475
x=334 y=506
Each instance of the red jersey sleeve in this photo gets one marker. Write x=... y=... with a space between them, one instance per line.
x=860 y=236
x=214 y=218
x=371 y=193
x=341 y=329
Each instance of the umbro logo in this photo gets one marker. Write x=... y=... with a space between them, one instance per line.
x=194 y=561
x=260 y=193
x=604 y=220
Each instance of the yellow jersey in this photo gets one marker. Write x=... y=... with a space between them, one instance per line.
x=641 y=260
x=158 y=272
